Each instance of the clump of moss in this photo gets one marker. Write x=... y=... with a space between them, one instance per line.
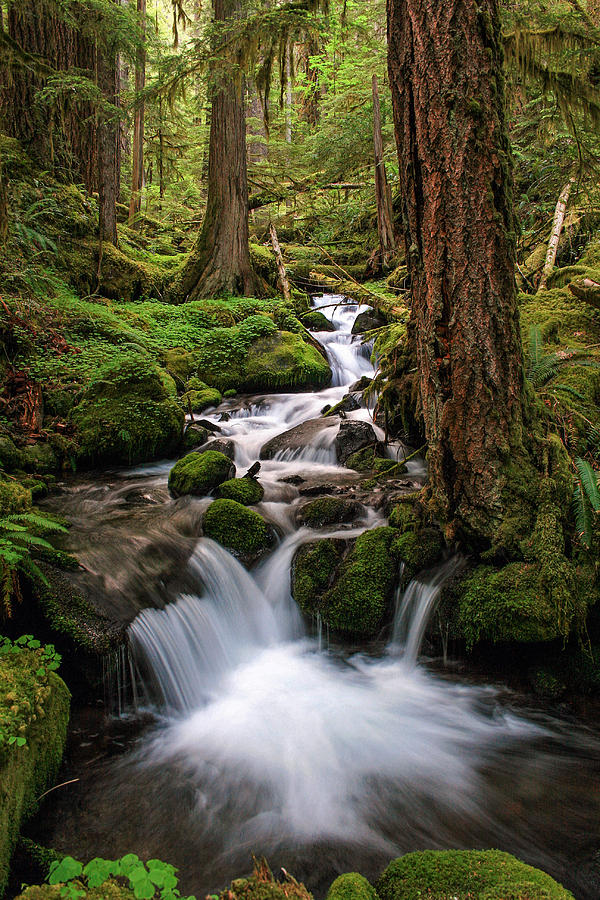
x=328 y=511
x=284 y=360
x=11 y=457
x=200 y=473
x=351 y=886
x=198 y=401
x=369 y=460
x=110 y=890
x=246 y=491
x=262 y=885
x=241 y=530
x=14 y=498
x=313 y=571
x=317 y=321
x=464 y=875
x=40 y=458
x=418 y=549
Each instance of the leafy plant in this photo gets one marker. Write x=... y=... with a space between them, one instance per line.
x=586 y=501
x=147 y=880
x=543 y=367
x=41 y=661
x=18 y=543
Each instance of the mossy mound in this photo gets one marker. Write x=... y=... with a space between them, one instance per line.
x=350 y=591
x=317 y=321
x=351 y=886
x=418 y=549
x=110 y=890
x=262 y=885
x=200 y=473
x=241 y=530
x=126 y=416
x=328 y=511
x=40 y=458
x=14 y=498
x=284 y=360
x=11 y=457
x=246 y=491
x=194 y=436
x=369 y=459
x=198 y=401
x=560 y=316
x=466 y=875
x=34 y=705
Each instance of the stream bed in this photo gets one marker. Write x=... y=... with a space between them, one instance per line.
x=255 y=734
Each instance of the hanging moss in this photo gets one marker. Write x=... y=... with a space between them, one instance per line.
x=241 y=530
x=465 y=875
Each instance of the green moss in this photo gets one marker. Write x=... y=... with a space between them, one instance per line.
x=36 y=707
x=179 y=363
x=40 y=458
x=263 y=886
x=418 y=549
x=200 y=473
x=241 y=530
x=578 y=323
x=11 y=457
x=405 y=515
x=316 y=321
x=198 y=401
x=263 y=262
x=110 y=890
x=14 y=498
x=351 y=886
x=194 y=436
x=313 y=571
x=357 y=601
x=368 y=460
x=465 y=875
x=284 y=360
x=194 y=384
x=328 y=511
x=246 y=491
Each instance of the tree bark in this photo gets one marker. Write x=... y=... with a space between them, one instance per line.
x=285 y=285
x=557 y=227
x=445 y=69
x=108 y=146
x=383 y=194
x=137 y=176
x=220 y=262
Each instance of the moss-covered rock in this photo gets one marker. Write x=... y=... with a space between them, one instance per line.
x=246 y=491
x=14 y=498
x=370 y=459
x=198 y=401
x=241 y=530
x=34 y=705
x=317 y=321
x=350 y=590
x=418 y=549
x=200 y=473
x=351 y=886
x=110 y=890
x=466 y=875
x=328 y=511
x=11 y=457
x=263 y=886
x=40 y=458
x=284 y=360
x=194 y=436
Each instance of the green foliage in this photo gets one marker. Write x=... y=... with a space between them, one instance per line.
x=18 y=701
x=19 y=541
x=586 y=501
x=153 y=879
x=466 y=874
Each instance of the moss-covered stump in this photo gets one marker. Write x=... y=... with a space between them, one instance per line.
x=34 y=711
x=350 y=591
x=127 y=416
x=466 y=875
x=351 y=886
x=328 y=511
x=241 y=530
x=200 y=473
x=246 y=490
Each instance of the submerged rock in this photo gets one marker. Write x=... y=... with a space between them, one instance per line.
x=242 y=531
x=200 y=473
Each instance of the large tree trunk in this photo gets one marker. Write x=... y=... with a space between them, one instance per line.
x=383 y=194
x=108 y=146
x=220 y=261
x=445 y=68
x=137 y=176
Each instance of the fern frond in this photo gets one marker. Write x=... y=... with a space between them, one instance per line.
x=583 y=517
x=535 y=347
x=588 y=479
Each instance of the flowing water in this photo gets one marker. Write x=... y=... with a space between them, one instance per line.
x=268 y=740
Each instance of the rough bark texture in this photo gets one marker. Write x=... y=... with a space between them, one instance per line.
x=108 y=148
x=220 y=261
x=383 y=194
x=445 y=67
x=310 y=110
x=137 y=176
x=62 y=133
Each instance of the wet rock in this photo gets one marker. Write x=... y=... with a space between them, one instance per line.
x=328 y=510
x=194 y=436
x=367 y=321
x=349 y=403
x=242 y=531
x=315 y=490
x=200 y=473
x=222 y=445
x=210 y=426
x=351 y=437
x=292 y=479
x=317 y=321
x=361 y=385
x=296 y=438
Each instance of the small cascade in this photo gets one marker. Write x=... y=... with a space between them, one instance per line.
x=415 y=607
x=348 y=357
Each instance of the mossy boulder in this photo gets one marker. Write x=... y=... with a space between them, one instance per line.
x=194 y=436
x=11 y=457
x=14 y=498
x=200 y=473
x=40 y=458
x=34 y=705
x=466 y=875
x=351 y=886
x=241 y=530
x=317 y=321
x=126 y=416
x=351 y=589
x=179 y=363
x=284 y=360
x=246 y=491
x=328 y=511
x=418 y=549
x=198 y=401
x=371 y=459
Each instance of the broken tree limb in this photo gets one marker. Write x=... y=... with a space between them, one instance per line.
x=285 y=285
x=557 y=226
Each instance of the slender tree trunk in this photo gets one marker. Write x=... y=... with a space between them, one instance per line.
x=283 y=279
x=137 y=177
x=3 y=206
x=108 y=147
x=220 y=261
x=445 y=68
x=310 y=110
x=288 y=92
x=383 y=194
x=557 y=227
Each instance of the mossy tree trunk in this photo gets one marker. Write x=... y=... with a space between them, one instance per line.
x=108 y=144
x=220 y=261
x=137 y=176
x=445 y=68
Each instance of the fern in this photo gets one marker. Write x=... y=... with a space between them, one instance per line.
x=18 y=541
